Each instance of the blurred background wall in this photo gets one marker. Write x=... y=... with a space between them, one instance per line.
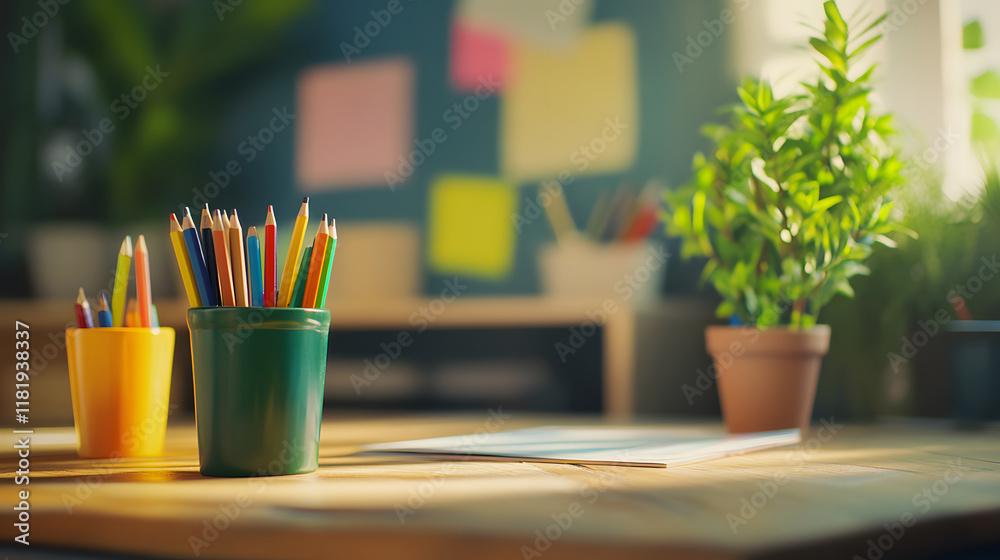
x=116 y=113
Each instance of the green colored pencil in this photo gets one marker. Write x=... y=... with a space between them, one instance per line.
x=299 y=292
x=324 y=277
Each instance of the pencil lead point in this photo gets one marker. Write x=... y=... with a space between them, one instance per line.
x=305 y=199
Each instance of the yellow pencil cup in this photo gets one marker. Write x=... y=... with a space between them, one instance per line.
x=120 y=380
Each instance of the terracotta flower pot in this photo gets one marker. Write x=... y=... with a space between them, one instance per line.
x=767 y=378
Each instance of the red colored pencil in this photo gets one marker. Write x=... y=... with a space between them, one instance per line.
x=645 y=221
x=84 y=319
x=270 y=259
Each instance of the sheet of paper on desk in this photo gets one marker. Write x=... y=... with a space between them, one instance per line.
x=641 y=447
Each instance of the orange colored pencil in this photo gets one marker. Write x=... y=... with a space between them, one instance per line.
x=225 y=228
x=222 y=260
x=143 y=289
x=131 y=314
x=236 y=258
x=316 y=264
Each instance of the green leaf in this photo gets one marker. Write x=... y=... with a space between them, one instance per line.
x=747 y=97
x=864 y=46
x=707 y=272
x=835 y=27
x=750 y=297
x=725 y=310
x=986 y=84
x=873 y=24
x=698 y=213
x=972 y=35
x=985 y=131
x=833 y=13
x=826 y=203
x=831 y=54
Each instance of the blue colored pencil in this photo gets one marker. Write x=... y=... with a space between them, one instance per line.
x=103 y=312
x=254 y=270
x=208 y=249
x=200 y=270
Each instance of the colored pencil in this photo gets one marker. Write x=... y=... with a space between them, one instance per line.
x=599 y=216
x=294 y=255
x=324 y=278
x=225 y=228
x=300 y=280
x=270 y=259
x=131 y=315
x=155 y=317
x=622 y=207
x=219 y=237
x=103 y=312
x=184 y=262
x=316 y=264
x=645 y=221
x=208 y=247
x=559 y=216
x=197 y=257
x=253 y=268
x=84 y=319
x=120 y=291
x=143 y=289
x=239 y=263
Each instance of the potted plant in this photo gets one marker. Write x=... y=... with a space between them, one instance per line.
x=786 y=209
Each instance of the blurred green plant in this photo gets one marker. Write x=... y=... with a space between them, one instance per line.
x=913 y=284
x=985 y=88
x=157 y=151
x=792 y=201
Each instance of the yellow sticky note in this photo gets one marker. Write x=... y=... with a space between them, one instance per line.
x=572 y=110
x=471 y=231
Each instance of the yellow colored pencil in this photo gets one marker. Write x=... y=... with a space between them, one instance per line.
x=316 y=264
x=559 y=216
x=119 y=294
x=238 y=262
x=184 y=262
x=294 y=255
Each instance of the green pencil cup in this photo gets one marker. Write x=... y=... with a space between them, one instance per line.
x=258 y=388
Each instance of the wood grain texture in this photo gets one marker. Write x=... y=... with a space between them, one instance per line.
x=823 y=499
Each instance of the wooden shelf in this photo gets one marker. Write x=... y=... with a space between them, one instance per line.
x=373 y=313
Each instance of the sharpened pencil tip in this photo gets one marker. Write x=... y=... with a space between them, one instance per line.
x=305 y=199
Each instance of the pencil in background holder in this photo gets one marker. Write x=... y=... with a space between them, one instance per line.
x=120 y=384
x=259 y=375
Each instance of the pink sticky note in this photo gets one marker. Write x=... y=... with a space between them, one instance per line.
x=478 y=57
x=353 y=123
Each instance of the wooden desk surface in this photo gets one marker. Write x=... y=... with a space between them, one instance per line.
x=913 y=491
